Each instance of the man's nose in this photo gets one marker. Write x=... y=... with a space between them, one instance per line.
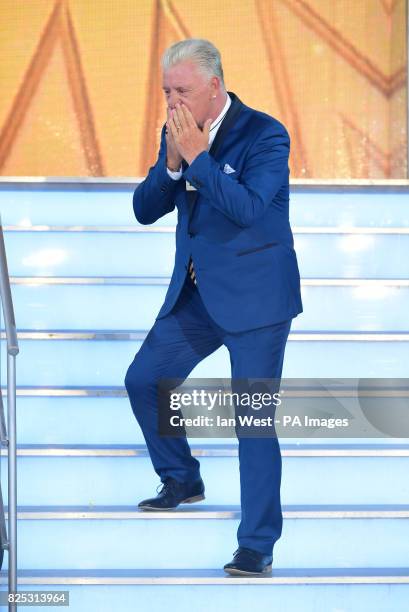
x=172 y=99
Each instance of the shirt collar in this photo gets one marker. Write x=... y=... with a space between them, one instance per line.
x=212 y=134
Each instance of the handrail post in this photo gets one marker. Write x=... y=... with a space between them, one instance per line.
x=12 y=476
x=12 y=351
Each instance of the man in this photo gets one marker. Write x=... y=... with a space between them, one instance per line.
x=235 y=281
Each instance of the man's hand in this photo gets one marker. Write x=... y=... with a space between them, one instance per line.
x=173 y=158
x=189 y=140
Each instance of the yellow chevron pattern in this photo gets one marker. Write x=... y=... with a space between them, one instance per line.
x=80 y=87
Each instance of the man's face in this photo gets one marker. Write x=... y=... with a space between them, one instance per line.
x=184 y=83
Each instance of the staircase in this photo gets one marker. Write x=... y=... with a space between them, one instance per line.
x=87 y=283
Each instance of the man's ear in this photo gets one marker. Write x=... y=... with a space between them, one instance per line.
x=215 y=84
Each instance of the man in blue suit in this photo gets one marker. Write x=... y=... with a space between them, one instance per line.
x=235 y=282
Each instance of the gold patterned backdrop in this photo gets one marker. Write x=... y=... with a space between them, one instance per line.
x=80 y=81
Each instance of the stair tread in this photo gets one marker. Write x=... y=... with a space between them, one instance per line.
x=232 y=445
x=352 y=449
x=211 y=575
x=219 y=510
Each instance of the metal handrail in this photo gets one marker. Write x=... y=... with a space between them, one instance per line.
x=10 y=439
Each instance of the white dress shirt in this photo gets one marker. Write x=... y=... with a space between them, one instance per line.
x=212 y=134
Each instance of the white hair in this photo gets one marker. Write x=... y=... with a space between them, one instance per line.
x=198 y=50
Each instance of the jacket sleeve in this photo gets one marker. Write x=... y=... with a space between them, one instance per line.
x=265 y=168
x=154 y=197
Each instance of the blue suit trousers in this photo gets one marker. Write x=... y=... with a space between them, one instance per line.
x=173 y=347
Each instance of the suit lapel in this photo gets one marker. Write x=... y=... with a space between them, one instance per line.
x=228 y=121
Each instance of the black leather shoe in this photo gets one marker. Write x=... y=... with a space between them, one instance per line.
x=174 y=493
x=247 y=561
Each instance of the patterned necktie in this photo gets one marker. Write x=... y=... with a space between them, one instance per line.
x=191 y=271
x=191 y=196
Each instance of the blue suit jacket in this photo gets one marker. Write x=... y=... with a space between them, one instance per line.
x=235 y=225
